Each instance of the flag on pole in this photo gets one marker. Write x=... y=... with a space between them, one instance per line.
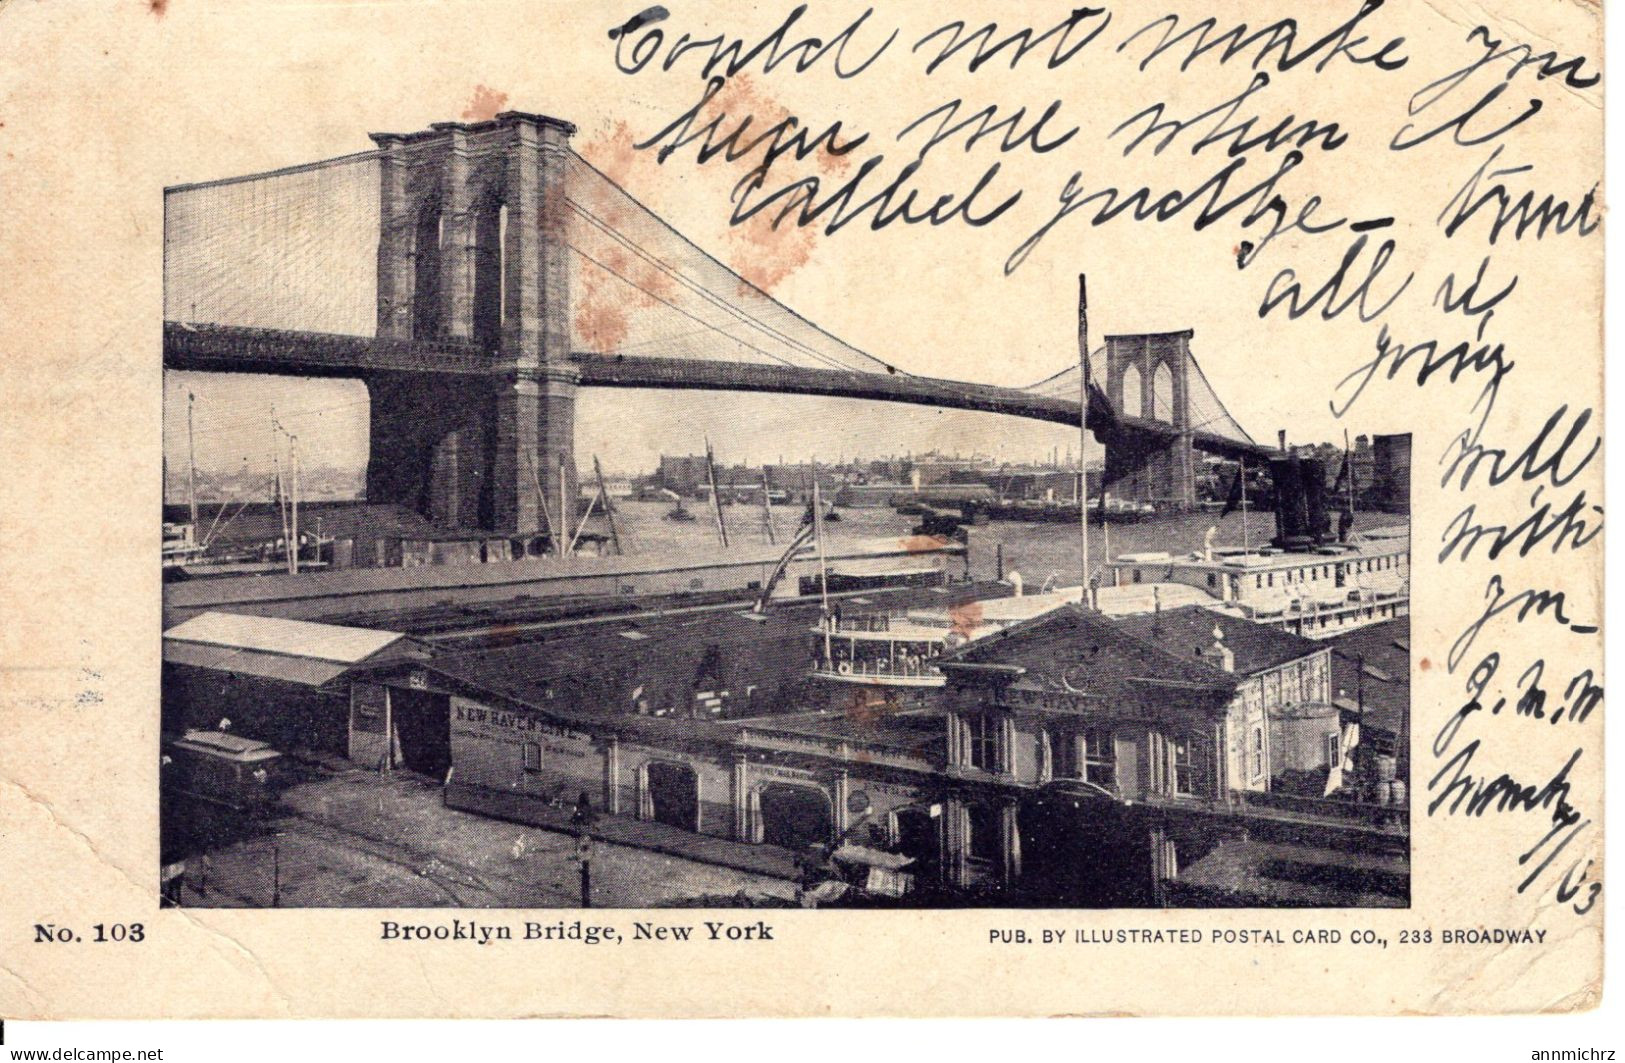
x=804 y=535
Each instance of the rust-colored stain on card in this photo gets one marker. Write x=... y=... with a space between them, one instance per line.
x=485 y=104
x=746 y=127
x=920 y=544
x=966 y=618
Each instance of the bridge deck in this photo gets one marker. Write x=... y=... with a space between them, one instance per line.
x=217 y=348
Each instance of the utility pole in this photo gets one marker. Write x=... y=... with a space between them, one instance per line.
x=584 y=859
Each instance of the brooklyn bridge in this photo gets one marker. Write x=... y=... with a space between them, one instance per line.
x=475 y=276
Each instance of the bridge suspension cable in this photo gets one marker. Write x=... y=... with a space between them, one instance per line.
x=292 y=249
x=636 y=270
x=298 y=250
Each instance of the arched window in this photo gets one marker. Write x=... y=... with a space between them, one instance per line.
x=426 y=272
x=502 y=260
x=1162 y=393
x=1133 y=392
x=490 y=224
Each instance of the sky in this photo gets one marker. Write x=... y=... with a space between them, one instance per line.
x=930 y=300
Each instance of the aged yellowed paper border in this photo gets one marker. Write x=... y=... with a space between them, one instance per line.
x=1370 y=217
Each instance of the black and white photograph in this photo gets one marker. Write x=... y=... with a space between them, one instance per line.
x=531 y=510
x=421 y=649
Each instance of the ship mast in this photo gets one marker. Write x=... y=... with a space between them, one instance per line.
x=191 y=463
x=716 y=498
x=293 y=541
x=276 y=473
x=541 y=504
x=767 y=508
x=609 y=510
x=566 y=510
x=823 y=565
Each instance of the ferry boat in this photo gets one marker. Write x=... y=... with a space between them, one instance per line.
x=1058 y=511
x=1314 y=591
x=180 y=545
x=899 y=649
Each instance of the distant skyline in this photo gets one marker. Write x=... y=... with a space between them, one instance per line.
x=627 y=430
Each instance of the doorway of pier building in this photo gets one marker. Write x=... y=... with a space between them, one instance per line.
x=795 y=817
x=919 y=837
x=423 y=729
x=674 y=794
x=1084 y=851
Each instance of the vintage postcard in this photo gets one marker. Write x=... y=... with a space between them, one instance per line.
x=538 y=507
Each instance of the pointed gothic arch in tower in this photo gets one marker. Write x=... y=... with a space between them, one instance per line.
x=1133 y=392
x=1162 y=393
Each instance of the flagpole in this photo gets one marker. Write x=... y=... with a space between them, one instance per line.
x=1083 y=431
x=1348 y=466
x=767 y=508
x=823 y=568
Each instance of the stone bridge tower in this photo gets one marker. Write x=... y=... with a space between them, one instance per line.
x=470 y=250
x=1148 y=379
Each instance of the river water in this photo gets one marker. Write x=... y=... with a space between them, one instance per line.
x=1037 y=551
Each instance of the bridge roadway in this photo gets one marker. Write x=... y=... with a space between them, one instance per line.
x=224 y=348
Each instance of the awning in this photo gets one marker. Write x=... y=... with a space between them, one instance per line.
x=273 y=634
x=301 y=670
x=291 y=651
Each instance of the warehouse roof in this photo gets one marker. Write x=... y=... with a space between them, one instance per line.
x=1079 y=651
x=294 y=651
x=298 y=638
x=1385 y=651
x=1258 y=647
x=1136 y=660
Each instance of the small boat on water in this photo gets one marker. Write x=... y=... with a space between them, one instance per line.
x=1121 y=511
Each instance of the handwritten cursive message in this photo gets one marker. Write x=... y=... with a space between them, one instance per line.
x=1418 y=288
